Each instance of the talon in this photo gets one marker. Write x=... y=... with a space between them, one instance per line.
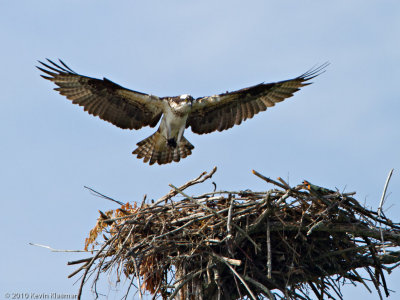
x=172 y=143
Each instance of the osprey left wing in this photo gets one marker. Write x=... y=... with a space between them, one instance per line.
x=223 y=111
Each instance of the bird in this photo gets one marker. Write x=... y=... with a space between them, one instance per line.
x=130 y=109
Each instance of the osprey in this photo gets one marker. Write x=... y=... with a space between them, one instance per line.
x=130 y=109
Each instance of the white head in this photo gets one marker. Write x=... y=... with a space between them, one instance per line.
x=185 y=97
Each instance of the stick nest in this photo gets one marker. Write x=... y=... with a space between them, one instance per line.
x=285 y=243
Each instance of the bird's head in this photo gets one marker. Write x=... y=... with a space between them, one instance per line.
x=186 y=98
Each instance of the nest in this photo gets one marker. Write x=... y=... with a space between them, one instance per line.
x=286 y=243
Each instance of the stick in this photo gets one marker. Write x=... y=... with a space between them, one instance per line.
x=186 y=185
x=90 y=264
x=260 y=286
x=78 y=270
x=269 y=180
x=284 y=183
x=381 y=206
x=79 y=261
x=216 y=214
x=315 y=226
x=384 y=192
x=269 y=259
x=187 y=278
x=138 y=279
x=283 y=198
x=231 y=261
x=58 y=250
x=228 y=224
x=96 y=193
x=237 y=275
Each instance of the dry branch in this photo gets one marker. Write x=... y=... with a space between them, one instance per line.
x=280 y=244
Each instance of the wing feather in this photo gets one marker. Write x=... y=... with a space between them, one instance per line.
x=261 y=105
x=103 y=98
x=223 y=111
x=239 y=115
x=245 y=111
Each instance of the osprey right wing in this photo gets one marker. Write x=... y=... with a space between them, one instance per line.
x=109 y=101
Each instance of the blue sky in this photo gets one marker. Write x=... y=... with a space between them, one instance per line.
x=342 y=131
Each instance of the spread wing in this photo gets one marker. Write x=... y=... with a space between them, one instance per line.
x=221 y=112
x=103 y=98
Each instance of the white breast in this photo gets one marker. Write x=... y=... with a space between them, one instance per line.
x=174 y=119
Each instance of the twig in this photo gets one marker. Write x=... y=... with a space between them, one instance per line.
x=216 y=214
x=238 y=276
x=143 y=201
x=269 y=256
x=231 y=261
x=315 y=226
x=203 y=176
x=175 y=230
x=184 y=281
x=260 y=286
x=197 y=202
x=129 y=288
x=284 y=183
x=384 y=193
x=78 y=270
x=269 y=180
x=381 y=206
x=96 y=193
x=283 y=198
x=138 y=278
x=59 y=250
x=91 y=263
x=79 y=261
x=228 y=223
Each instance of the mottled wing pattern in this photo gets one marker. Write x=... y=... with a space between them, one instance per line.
x=221 y=112
x=103 y=98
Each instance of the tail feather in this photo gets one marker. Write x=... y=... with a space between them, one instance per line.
x=155 y=149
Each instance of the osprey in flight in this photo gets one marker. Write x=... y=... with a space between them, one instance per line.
x=130 y=109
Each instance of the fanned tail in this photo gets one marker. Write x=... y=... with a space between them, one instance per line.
x=155 y=149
